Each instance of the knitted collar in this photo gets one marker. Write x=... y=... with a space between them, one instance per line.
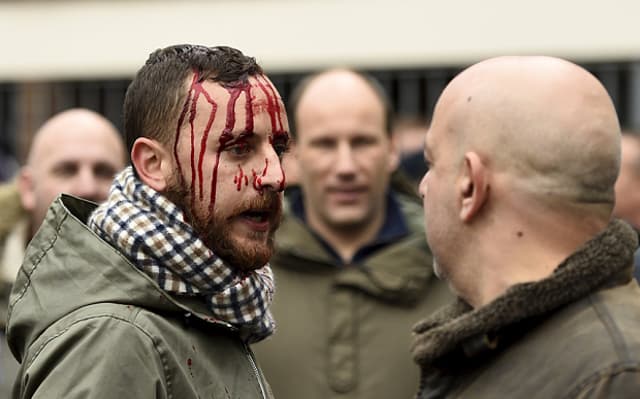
x=151 y=231
x=582 y=273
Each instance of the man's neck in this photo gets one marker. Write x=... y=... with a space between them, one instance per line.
x=528 y=253
x=347 y=240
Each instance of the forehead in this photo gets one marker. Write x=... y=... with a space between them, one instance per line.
x=340 y=104
x=74 y=143
x=236 y=107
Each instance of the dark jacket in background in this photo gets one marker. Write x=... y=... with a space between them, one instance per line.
x=575 y=334
x=86 y=323
x=343 y=331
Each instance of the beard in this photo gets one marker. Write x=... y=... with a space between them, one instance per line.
x=214 y=229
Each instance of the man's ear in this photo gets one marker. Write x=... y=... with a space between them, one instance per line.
x=394 y=155
x=153 y=163
x=25 y=183
x=473 y=186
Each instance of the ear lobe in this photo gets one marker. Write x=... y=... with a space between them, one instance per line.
x=26 y=189
x=153 y=163
x=394 y=156
x=473 y=187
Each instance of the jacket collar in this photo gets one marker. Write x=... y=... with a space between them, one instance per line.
x=394 y=226
x=397 y=272
x=67 y=266
x=603 y=261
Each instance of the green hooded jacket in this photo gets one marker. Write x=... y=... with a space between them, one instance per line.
x=86 y=323
x=345 y=331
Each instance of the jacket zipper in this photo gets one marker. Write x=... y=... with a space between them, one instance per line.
x=255 y=370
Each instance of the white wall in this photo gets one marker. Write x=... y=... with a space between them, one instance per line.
x=66 y=39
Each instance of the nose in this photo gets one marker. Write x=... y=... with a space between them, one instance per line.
x=422 y=188
x=272 y=177
x=345 y=164
x=86 y=186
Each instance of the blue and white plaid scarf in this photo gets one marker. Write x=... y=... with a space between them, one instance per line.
x=151 y=231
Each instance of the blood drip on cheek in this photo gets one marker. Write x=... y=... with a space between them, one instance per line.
x=257 y=179
x=283 y=179
x=240 y=178
x=190 y=105
x=275 y=115
x=226 y=137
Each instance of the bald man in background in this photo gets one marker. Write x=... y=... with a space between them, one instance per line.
x=77 y=152
x=628 y=187
x=524 y=155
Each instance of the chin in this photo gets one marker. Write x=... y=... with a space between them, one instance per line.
x=245 y=252
x=350 y=218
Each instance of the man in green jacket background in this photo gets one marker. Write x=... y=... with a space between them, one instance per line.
x=524 y=155
x=76 y=151
x=158 y=292
x=352 y=268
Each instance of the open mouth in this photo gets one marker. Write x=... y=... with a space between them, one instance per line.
x=257 y=216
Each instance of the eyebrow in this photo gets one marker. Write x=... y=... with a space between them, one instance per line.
x=245 y=135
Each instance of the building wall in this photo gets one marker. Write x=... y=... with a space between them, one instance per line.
x=89 y=39
x=61 y=54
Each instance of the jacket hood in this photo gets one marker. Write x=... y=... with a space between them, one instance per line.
x=397 y=273
x=67 y=266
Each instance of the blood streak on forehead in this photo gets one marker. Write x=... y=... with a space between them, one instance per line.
x=275 y=115
x=273 y=105
x=197 y=89
x=226 y=136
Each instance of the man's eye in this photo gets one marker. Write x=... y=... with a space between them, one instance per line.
x=323 y=143
x=281 y=147
x=364 y=141
x=240 y=148
x=65 y=170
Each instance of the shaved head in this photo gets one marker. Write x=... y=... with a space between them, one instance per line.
x=546 y=122
x=77 y=152
x=526 y=151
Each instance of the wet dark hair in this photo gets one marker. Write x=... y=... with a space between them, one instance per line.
x=301 y=88
x=155 y=97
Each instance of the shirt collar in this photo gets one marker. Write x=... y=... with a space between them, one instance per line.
x=393 y=228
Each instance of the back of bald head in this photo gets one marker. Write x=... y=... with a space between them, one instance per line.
x=75 y=119
x=547 y=124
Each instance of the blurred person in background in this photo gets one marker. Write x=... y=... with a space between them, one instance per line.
x=352 y=268
x=628 y=186
x=159 y=291
x=524 y=153
x=8 y=166
x=77 y=152
x=408 y=138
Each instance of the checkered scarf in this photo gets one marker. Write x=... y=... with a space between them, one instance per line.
x=151 y=231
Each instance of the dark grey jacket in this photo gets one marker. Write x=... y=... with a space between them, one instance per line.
x=575 y=334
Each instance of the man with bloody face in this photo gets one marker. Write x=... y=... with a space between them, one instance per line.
x=159 y=291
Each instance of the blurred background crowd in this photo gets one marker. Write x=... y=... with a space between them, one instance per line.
x=64 y=54
x=61 y=55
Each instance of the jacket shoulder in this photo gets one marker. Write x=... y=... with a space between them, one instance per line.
x=99 y=349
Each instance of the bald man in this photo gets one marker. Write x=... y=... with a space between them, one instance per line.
x=524 y=155
x=76 y=151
